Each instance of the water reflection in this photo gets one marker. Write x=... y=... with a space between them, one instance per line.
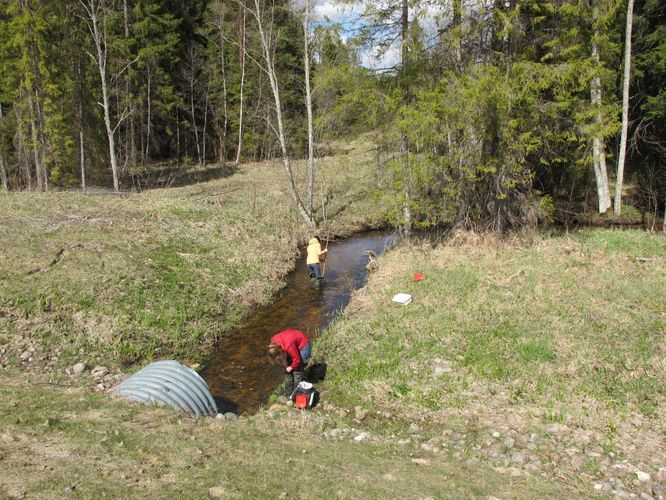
x=238 y=373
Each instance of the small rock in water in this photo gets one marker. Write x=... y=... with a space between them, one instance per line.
x=230 y=416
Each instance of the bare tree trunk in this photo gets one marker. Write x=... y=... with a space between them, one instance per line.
x=205 y=123
x=600 y=172
x=23 y=158
x=310 y=174
x=177 y=137
x=149 y=117
x=130 y=140
x=3 y=168
x=242 y=83
x=99 y=38
x=193 y=114
x=222 y=156
x=268 y=55
x=625 y=109
x=35 y=144
x=457 y=26
x=404 y=34
x=82 y=156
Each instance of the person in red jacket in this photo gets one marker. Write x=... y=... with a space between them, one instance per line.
x=291 y=349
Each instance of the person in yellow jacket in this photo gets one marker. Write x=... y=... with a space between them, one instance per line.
x=314 y=252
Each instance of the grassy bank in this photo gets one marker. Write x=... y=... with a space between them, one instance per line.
x=522 y=369
x=58 y=443
x=159 y=273
x=545 y=356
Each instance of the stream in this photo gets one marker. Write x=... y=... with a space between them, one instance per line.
x=238 y=373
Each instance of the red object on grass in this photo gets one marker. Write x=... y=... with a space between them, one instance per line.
x=418 y=277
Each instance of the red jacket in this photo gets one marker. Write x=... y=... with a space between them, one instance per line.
x=291 y=341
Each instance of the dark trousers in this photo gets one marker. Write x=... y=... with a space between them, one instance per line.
x=315 y=270
x=291 y=381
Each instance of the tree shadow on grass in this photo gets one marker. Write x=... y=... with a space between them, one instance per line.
x=166 y=176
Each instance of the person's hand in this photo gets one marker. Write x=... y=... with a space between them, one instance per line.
x=289 y=369
x=325 y=250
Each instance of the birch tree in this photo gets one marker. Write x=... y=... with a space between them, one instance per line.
x=96 y=17
x=267 y=35
x=310 y=173
x=3 y=168
x=599 y=156
x=625 y=109
x=242 y=40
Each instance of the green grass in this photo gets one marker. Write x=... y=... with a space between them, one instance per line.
x=164 y=272
x=59 y=441
x=571 y=323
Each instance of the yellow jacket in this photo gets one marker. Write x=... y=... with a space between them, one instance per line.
x=314 y=251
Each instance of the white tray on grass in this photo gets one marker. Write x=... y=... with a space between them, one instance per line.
x=402 y=298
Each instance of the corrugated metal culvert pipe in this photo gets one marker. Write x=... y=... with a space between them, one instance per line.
x=169 y=383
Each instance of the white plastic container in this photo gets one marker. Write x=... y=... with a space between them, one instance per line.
x=402 y=298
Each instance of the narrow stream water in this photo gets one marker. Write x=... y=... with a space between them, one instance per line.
x=238 y=373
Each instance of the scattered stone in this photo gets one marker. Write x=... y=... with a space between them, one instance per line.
x=661 y=475
x=645 y=496
x=98 y=372
x=414 y=429
x=496 y=434
x=25 y=355
x=509 y=442
x=518 y=458
x=427 y=447
x=361 y=437
x=388 y=477
x=290 y=404
x=557 y=429
x=220 y=416
x=70 y=489
x=578 y=462
x=78 y=368
x=658 y=491
x=642 y=476
x=360 y=413
x=335 y=433
x=217 y=491
x=282 y=495
x=420 y=461
x=230 y=416
x=283 y=400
